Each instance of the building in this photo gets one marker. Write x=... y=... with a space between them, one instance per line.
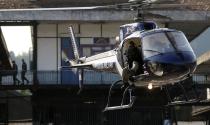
x=55 y=88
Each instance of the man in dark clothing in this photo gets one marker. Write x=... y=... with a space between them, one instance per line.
x=15 y=72
x=23 y=72
x=134 y=54
x=135 y=63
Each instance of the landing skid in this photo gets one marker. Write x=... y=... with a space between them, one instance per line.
x=179 y=103
x=122 y=105
x=184 y=102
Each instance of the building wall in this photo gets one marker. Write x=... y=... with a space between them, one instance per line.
x=47 y=54
x=49 y=40
x=201 y=43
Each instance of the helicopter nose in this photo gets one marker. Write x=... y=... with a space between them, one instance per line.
x=184 y=61
x=180 y=69
x=169 y=63
x=192 y=66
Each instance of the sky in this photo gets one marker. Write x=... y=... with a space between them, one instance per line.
x=18 y=38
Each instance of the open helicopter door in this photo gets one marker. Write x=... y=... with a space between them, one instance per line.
x=128 y=90
x=128 y=73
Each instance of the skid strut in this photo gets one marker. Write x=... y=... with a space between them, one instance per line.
x=122 y=105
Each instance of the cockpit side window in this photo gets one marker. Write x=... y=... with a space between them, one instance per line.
x=164 y=42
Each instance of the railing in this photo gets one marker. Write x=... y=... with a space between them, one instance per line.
x=87 y=77
x=48 y=77
x=7 y=78
x=71 y=77
x=201 y=78
x=93 y=77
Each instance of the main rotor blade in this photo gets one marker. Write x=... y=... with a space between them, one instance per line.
x=169 y=6
x=152 y=1
x=115 y=6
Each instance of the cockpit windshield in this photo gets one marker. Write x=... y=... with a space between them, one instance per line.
x=164 y=42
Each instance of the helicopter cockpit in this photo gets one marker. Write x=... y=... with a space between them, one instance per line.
x=167 y=53
x=165 y=42
x=164 y=52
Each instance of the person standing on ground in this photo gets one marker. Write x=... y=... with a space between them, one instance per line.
x=15 y=72
x=23 y=72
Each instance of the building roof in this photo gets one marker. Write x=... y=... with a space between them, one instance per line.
x=12 y=4
x=180 y=10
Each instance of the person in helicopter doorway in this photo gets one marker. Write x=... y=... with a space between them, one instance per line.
x=134 y=61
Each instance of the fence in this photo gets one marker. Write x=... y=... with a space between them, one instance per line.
x=201 y=78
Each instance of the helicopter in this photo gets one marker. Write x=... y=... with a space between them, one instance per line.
x=166 y=54
x=164 y=57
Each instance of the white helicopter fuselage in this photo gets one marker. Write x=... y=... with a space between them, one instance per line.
x=106 y=61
